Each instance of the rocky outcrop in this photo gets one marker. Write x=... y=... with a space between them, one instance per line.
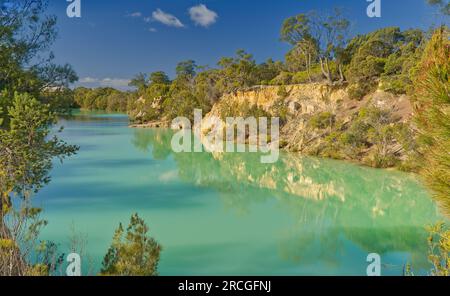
x=309 y=99
x=303 y=102
x=151 y=124
x=300 y=104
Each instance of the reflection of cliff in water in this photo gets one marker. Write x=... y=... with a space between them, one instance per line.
x=330 y=202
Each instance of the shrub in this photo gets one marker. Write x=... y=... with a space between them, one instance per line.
x=283 y=78
x=280 y=110
x=315 y=72
x=322 y=120
x=438 y=251
x=133 y=253
x=358 y=90
x=395 y=84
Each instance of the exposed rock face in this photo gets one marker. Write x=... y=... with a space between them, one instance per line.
x=152 y=124
x=307 y=97
x=139 y=115
x=301 y=103
x=304 y=101
x=299 y=99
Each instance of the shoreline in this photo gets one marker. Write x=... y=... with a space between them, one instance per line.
x=165 y=125
x=152 y=124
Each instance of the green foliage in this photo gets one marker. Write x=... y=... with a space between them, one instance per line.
x=432 y=103
x=60 y=101
x=439 y=249
x=282 y=92
x=186 y=68
x=237 y=72
x=32 y=91
x=158 y=77
x=438 y=241
x=132 y=253
x=106 y=98
x=388 y=54
x=197 y=87
x=280 y=110
x=359 y=90
x=372 y=136
x=26 y=33
x=146 y=105
x=313 y=75
x=26 y=150
x=322 y=120
x=206 y=89
x=316 y=38
x=368 y=68
x=283 y=78
x=26 y=154
x=139 y=82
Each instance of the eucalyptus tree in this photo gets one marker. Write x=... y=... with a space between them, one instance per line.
x=139 y=82
x=158 y=77
x=186 y=68
x=26 y=62
x=296 y=31
x=318 y=34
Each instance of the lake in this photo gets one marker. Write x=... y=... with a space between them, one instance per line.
x=228 y=214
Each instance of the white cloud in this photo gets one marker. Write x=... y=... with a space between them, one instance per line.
x=152 y=30
x=88 y=80
x=202 y=16
x=167 y=19
x=105 y=82
x=114 y=82
x=135 y=14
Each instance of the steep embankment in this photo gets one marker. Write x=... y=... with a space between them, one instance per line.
x=318 y=119
x=321 y=120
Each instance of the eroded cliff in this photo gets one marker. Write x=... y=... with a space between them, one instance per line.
x=323 y=120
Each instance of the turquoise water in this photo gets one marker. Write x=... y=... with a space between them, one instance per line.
x=228 y=214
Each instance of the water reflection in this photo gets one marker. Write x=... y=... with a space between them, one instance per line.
x=331 y=204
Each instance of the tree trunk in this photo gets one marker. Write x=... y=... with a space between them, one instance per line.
x=324 y=66
x=341 y=74
x=4 y=201
x=307 y=66
x=330 y=77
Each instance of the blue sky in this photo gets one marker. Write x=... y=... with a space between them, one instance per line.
x=115 y=39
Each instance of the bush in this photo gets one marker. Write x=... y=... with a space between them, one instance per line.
x=358 y=90
x=133 y=253
x=322 y=120
x=368 y=68
x=280 y=110
x=395 y=84
x=315 y=72
x=438 y=251
x=284 y=78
